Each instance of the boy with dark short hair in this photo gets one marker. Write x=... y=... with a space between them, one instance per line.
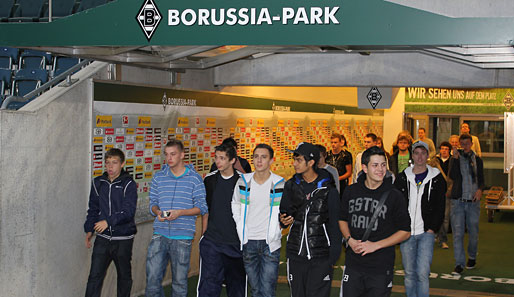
x=112 y=207
x=255 y=209
x=311 y=204
x=220 y=255
x=370 y=249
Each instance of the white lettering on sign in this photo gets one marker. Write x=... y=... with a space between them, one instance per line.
x=253 y=16
x=471 y=278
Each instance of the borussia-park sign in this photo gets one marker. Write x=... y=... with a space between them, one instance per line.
x=257 y=22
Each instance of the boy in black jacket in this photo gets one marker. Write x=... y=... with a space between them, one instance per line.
x=310 y=203
x=370 y=262
x=220 y=256
x=112 y=207
x=423 y=188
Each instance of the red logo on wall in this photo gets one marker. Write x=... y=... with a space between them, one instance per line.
x=129 y=146
x=109 y=131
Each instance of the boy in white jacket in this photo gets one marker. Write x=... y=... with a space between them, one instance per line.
x=424 y=189
x=256 y=200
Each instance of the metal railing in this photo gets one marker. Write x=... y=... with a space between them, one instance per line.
x=54 y=81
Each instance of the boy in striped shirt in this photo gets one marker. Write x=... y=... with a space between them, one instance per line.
x=177 y=196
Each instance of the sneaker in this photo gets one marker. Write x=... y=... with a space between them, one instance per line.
x=458 y=270
x=471 y=264
x=444 y=245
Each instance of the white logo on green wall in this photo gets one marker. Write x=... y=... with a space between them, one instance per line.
x=508 y=100
x=149 y=18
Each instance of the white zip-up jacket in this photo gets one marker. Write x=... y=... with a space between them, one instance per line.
x=241 y=205
x=426 y=202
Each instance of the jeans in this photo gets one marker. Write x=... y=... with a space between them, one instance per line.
x=464 y=215
x=417 y=252
x=104 y=252
x=261 y=267
x=442 y=235
x=160 y=251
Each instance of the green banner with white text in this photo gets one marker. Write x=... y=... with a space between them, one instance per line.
x=461 y=101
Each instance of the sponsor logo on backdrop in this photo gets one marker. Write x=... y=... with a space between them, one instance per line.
x=144 y=122
x=103 y=121
x=98 y=131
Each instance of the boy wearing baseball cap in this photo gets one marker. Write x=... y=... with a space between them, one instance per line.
x=310 y=203
x=423 y=188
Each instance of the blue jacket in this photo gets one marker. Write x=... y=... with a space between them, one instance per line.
x=177 y=192
x=114 y=202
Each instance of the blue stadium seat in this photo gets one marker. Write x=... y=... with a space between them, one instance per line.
x=5 y=9
x=62 y=64
x=60 y=8
x=26 y=80
x=28 y=11
x=5 y=62
x=31 y=59
x=7 y=56
x=5 y=79
x=87 y=4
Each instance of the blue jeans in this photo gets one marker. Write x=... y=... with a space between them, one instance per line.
x=442 y=235
x=464 y=215
x=261 y=267
x=417 y=252
x=160 y=251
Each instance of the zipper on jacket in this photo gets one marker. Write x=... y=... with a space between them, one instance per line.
x=110 y=228
x=304 y=236
x=270 y=213
x=326 y=234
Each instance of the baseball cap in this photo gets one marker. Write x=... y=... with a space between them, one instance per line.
x=420 y=143
x=308 y=150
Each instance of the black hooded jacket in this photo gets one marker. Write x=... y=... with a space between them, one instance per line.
x=114 y=202
x=315 y=208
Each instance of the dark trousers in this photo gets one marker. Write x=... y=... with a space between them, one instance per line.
x=105 y=251
x=309 y=277
x=220 y=262
x=356 y=283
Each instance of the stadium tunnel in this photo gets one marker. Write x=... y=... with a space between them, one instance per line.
x=300 y=79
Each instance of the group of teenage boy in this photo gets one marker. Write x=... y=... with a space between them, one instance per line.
x=244 y=213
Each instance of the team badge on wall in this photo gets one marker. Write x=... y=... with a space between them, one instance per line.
x=148 y=18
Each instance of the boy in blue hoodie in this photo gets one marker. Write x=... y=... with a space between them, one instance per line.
x=112 y=206
x=177 y=196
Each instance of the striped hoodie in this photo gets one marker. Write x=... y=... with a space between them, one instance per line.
x=177 y=192
x=241 y=204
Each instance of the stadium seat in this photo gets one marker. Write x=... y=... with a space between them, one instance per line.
x=26 y=80
x=31 y=59
x=60 y=8
x=88 y=4
x=28 y=11
x=7 y=56
x=5 y=79
x=62 y=64
x=5 y=9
